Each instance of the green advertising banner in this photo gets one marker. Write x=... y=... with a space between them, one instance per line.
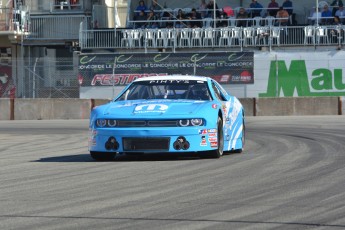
x=121 y=69
x=294 y=80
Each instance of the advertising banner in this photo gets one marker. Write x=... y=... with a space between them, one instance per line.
x=303 y=74
x=121 y=69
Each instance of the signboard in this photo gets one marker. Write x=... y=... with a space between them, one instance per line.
x=303 y=74
x=121 y=69
x=294 y=79
x=295 y=74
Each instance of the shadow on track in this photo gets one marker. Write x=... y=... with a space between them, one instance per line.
x=146 y=157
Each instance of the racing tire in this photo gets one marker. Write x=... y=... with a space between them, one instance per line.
x=102 y=156
x=217 y=153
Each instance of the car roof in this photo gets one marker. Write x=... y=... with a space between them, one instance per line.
x=173 y=77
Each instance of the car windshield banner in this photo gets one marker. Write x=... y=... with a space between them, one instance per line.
x=121 y=69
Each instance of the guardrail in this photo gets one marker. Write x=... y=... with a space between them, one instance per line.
x=232 y=37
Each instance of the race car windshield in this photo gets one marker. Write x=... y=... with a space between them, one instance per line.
x=167 y=89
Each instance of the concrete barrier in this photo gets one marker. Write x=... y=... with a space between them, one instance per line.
x=41 y=109
x=297 y=106
x=248 y=105
x=97 y=102
x=5 y=109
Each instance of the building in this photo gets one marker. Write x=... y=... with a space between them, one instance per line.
x=38 y=40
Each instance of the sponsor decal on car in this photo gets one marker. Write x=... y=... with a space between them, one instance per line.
x=203 y=131
x=169 y=81
x=203 y=141
x=214 y=144
x=151 y=108
x=212 y=139
x=224 y=108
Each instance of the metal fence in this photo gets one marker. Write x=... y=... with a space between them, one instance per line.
x=8 y=21
x=47 y=27
x=229 y=37
x=40 y=78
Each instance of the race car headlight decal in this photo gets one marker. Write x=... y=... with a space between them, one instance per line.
x=191 y=122
x=106 y=123
x=183 y=123
x=101 y=122
x=196 y=122
x=111 y=123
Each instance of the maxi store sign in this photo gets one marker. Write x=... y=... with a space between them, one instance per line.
x=121 y=69
x=298 y=74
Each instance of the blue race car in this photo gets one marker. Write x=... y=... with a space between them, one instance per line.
x=168 y=114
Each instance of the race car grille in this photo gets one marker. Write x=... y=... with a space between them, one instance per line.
x=131 y=123
x=147 y=123
x=167 y=123
x=145 y=144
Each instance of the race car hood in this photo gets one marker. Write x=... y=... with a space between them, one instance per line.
x=151 y=108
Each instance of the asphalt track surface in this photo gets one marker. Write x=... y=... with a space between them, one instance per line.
x=290 y=176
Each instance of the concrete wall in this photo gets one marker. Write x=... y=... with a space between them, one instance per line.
x=5 y=109
x=99 y=102
x=39 y=109
x=248 y=105
x=297 y=106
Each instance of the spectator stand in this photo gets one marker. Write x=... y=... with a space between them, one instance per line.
x=266 y=31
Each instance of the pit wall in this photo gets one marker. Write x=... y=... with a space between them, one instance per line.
x=49 y=109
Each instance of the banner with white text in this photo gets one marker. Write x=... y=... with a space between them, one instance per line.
x=121 y=69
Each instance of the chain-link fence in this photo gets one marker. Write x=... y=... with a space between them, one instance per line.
x=7 y=84
x=39 y=78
